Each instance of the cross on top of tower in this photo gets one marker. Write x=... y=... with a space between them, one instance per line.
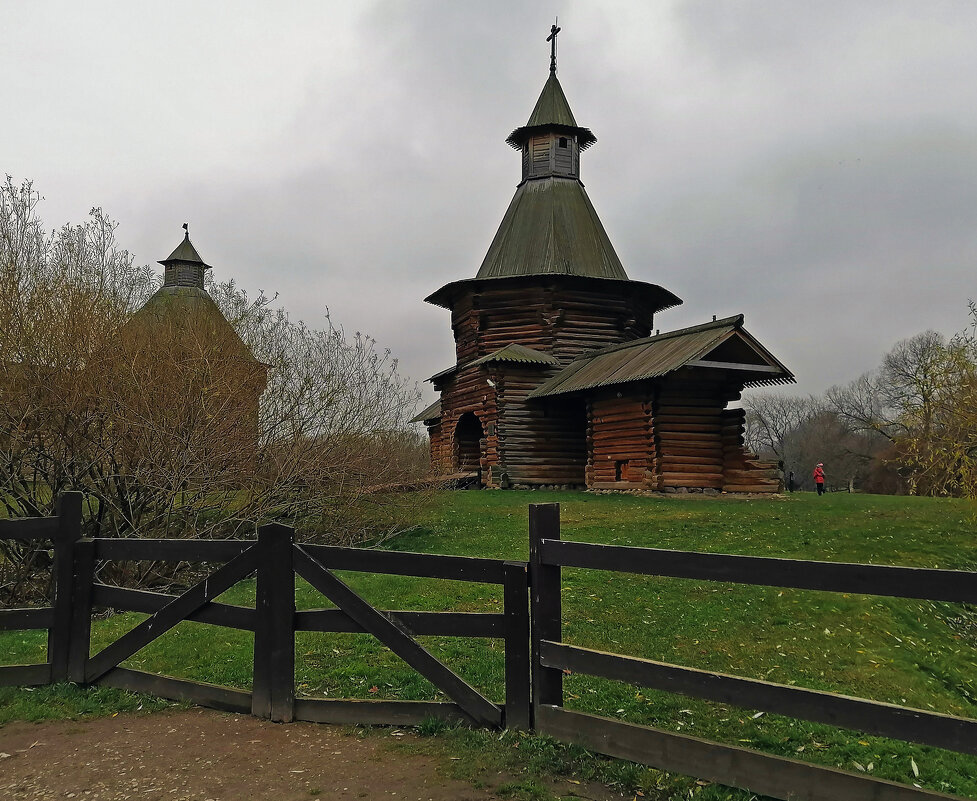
x=554 y=30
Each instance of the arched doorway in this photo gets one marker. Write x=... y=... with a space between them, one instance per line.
x=468 y=442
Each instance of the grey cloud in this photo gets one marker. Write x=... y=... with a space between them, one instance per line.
x=810 y=164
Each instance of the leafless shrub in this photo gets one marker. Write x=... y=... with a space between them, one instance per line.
x=172 y=422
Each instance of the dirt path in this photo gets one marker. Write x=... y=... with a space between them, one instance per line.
x=202 y=755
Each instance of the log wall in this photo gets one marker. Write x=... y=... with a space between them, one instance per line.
x=440 y=450
x=546 y=316
x=620 y=442
x=673 y=435
x=540 y=442
x=676 y=433
x=688 y=435
x=468 y=391
x=743 y=471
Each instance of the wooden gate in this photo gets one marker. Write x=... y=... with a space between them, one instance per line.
x=397 y=631
x=240 y=559
x=275 y=559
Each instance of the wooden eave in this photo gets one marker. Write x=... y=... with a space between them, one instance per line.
x=517 y=354
x=513 y=353
x=431 y=413
x=658 y=298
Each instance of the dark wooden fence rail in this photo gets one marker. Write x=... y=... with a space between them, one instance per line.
x=397 y=629
x=535 y=655
x=739 y=767
x=275 y=559
x=63 y=531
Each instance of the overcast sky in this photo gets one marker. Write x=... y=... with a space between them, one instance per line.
x=812 y=165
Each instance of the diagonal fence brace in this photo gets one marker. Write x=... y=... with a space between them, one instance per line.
x=397 y=637
x=174 y=612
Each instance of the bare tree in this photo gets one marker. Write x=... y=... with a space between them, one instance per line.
x=173 y=422
x=921 y=400
x=902 y=394
x=771 y=418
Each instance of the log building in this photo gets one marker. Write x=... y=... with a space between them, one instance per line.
x=558 y=379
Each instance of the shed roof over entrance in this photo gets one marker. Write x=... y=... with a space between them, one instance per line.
x=653 y=357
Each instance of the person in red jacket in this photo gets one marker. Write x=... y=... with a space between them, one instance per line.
x=819 y=478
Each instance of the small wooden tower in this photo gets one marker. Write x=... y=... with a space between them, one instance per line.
x=182 y=319
x=550 y=292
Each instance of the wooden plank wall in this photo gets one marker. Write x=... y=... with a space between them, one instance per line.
x=540 y=443
x=743 y=471
x=688 y=433
x=468 y=391
x=563 y=321
x=620 y=443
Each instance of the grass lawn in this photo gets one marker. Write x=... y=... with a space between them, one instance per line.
x=914 y=653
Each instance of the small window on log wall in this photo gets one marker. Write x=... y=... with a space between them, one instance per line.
x=563 y=141
x=621 y=471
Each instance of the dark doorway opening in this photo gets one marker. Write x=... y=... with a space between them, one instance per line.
x=468 y=442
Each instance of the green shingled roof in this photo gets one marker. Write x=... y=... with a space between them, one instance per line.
x=514 y=352
x=551 y=110
x=551 y=227
x=182 y=303
x=653 y=357
x=185 y=251
x=432 y=412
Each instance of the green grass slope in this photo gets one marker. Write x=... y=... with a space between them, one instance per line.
x=914 y=653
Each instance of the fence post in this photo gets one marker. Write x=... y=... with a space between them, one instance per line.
x=79 y=641
x=518 y=685
x=545 y=607
x=68 y=510
x=273 y=686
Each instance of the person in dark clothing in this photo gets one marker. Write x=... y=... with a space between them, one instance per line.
x=790 y=481
x=819 y=478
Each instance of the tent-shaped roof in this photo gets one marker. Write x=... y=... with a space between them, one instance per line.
x=653 y=357
x=182 y=305
x=552 y=111
x=185 y=251
x=551 y=227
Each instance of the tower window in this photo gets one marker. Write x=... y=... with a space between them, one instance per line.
x=563 y=141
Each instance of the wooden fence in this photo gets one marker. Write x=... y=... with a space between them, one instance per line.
x=758 y=772
x=62 y=531
x=275 y=560
x=530 y=626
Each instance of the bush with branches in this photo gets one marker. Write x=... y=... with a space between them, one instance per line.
x=170 y=421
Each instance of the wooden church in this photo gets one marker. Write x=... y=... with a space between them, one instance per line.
x=558 y=380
